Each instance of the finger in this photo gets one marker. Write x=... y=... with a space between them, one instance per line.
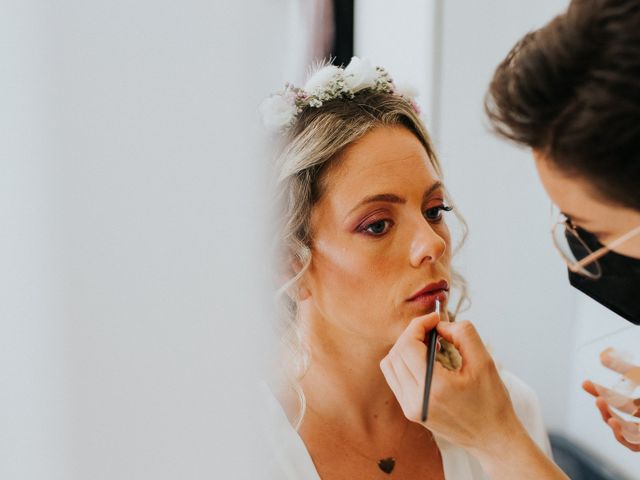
x=633 y=375
x=629 y=431
x=444 y=382
x=409 y=382
x=466 y=339
x=615 y=360
x=419 y=327
x=589 y=387
x=616 y=428
x=604 y=409
x=414 y=358
x=618 y=400
x=390 y=377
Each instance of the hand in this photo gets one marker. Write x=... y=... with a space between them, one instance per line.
x=470 y=407
x=625 y=432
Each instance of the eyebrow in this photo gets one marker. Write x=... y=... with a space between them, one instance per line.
x=392 y=198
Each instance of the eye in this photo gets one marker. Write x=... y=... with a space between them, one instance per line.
x=378 y=228
x=434 y=214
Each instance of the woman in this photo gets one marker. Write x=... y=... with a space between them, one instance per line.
x=366 y=252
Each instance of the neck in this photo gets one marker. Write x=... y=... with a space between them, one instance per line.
x=344 y=383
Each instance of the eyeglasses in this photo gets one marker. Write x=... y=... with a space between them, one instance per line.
x=575 y=251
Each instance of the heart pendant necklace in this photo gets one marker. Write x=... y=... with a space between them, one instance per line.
x=387 y=464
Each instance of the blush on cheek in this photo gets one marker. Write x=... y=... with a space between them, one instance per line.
x=347 y=285
x=336 y=268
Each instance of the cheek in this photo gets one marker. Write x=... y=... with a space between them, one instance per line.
x=346 y=279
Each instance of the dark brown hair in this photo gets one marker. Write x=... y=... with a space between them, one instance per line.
x=571 y=90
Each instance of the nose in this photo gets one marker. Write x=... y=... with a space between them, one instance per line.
x=426 y=245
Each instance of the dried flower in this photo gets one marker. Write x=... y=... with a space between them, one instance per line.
x=327 y=83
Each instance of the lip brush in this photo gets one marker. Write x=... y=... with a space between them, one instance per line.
x=431 y=357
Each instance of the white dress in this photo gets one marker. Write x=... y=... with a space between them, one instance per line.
x=286 y=456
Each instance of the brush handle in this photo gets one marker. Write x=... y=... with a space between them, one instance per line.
x=431 y=357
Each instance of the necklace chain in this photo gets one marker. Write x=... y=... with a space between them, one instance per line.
x=385 y=463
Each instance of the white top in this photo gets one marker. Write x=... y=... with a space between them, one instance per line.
x=287 y=457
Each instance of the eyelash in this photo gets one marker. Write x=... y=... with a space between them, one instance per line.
x=437 y=208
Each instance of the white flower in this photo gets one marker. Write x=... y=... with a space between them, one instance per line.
x=360 y=74
x=319 y=80
x=278 y=111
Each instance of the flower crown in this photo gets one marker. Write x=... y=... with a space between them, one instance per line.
x=328 y=82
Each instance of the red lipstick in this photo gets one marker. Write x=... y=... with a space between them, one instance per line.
x=426 y=297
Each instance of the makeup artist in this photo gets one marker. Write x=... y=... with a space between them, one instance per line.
x=570 y=91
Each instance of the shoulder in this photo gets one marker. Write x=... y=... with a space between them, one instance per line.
x=525 y=403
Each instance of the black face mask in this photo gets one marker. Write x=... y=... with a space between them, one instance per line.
x=618 y=288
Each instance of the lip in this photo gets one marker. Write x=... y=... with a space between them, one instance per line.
x=426 y=301
x=433 y=289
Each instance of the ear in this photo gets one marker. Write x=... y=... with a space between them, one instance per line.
x=303 y=292
x=300 y=290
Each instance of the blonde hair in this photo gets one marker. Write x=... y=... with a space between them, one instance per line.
x=311 y=145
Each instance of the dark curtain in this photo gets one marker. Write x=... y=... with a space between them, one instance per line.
x=342 y=49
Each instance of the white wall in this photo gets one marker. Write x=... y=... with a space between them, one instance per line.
x=131 y=274
x=379 y=32
x=521 y=300
x=523 y=304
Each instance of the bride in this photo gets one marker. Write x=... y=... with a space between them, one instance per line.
x=365 y=252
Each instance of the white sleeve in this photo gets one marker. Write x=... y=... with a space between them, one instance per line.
x=527 y=407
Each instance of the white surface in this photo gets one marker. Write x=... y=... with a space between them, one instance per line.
x=131 y=296
x=396 y=38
